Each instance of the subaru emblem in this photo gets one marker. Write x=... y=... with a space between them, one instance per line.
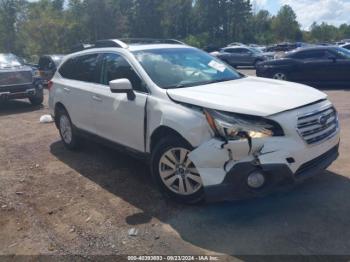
x=323 y=120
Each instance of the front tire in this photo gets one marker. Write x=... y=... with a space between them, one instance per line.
x=280 y=76
x=174 y=172
x=38 y=99
x=67 y=131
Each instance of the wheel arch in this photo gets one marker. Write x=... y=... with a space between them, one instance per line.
x=58 y=107
x=164 y=131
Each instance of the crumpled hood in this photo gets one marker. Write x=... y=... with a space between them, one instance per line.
x=249 y=95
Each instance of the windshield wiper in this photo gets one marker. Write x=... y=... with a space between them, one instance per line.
x=216 y=81
x=199 y=83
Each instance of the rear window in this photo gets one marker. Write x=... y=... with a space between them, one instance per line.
x=45 y=63
x=81 y=68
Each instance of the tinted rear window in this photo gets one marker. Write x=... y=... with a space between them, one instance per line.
x=82 y=68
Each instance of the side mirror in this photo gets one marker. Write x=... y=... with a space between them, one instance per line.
x=122 y=86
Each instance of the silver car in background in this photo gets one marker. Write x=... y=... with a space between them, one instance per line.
x=241 y=56
x=18 y=80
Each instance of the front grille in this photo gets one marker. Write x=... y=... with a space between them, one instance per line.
x=15 y=89
x=318 y=126
x=15 y=78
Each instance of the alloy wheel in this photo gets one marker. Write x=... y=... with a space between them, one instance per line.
x=178 y=172
x=280 y=76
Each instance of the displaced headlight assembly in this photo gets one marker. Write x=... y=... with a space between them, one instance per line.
x=235 y=127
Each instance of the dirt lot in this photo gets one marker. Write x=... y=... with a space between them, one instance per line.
x=53 y=201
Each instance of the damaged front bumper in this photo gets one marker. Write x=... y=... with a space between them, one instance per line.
x=225 y=166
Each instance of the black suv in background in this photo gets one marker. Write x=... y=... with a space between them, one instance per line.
x=18 y=80
x=317 y=66
x=48 y=65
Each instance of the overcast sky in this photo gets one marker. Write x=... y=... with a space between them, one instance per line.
x=333 y=12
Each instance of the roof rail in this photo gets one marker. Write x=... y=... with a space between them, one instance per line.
x=151 y=41
x=110 y=43
x=123 y=43
x=80 y=47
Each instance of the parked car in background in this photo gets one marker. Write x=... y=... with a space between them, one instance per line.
x=207 y=130
x=259 y=47
x=343 y=42
x=282 y=47
x=48 y=65
x=18 y=80
x=241 y=56
x=346 y=46
x=314 y=66
x=236 y=44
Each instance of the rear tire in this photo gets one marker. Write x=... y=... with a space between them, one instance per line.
x=67 y=131
x=38 y=99
x=174 y=172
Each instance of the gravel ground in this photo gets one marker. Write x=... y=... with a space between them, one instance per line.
x=53 y=201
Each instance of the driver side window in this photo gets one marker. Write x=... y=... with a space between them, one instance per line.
x=114 y=67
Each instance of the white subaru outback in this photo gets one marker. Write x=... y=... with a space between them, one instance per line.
x=208 y=131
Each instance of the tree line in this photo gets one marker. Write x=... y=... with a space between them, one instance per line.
x=54 y=26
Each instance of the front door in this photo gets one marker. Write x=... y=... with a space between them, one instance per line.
x=315 y=66
x=116 y=117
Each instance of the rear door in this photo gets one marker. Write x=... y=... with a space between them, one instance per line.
x=74 y=89
x=314 y=66
x=246 y=57
x=117 y=118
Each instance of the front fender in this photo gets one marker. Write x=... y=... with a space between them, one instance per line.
x=190 y=123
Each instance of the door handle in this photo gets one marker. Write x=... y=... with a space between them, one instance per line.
x=97 y=98
x=67 y=90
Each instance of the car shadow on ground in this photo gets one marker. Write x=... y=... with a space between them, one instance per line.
x=17 y=107
x=312 y=218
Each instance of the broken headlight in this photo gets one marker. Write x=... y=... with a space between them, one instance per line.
x=234 y=126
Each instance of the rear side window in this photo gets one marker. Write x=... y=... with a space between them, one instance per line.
x=115 y=67
x=312 y=54
x=245 y=51
x=233 y=50
x=81 y=68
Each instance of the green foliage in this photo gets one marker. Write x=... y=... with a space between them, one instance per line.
x=325 y=32
x=199 y=40
x=9 y=15
x=261 y=25
x=285 y=25
x=53 y=26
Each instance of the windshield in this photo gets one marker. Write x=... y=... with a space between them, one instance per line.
x=345 y=53
x=183 y=67
x=9 y=60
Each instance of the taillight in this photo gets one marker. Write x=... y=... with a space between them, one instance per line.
x=49 y=85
